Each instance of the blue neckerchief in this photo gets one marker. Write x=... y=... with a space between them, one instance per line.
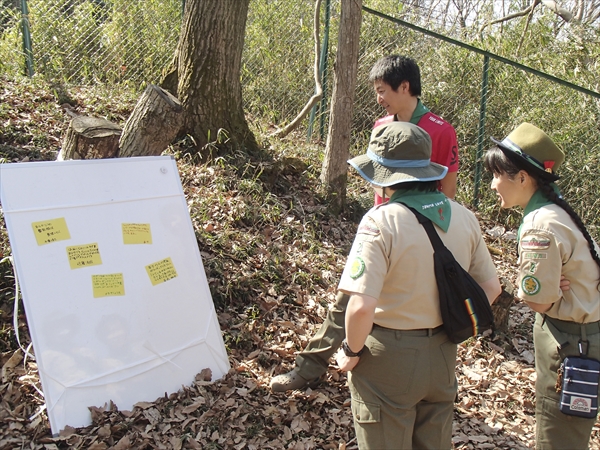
x=433 y=205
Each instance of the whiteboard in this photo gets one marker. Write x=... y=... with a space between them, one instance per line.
x=114 y=289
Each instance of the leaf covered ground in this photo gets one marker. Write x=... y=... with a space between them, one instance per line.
x=273 y=252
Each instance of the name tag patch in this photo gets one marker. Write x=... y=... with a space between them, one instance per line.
x=535 y=255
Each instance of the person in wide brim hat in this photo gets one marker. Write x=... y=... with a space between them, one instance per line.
x=398 y=152
x=553 y=244
x=532 y=150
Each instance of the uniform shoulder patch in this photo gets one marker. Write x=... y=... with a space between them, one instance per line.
x=357 y=268
x=368 y=226
x=535 y=242
x=530 y=285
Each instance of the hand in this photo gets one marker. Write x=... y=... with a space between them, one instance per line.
x=346 y=363
x=564 y=283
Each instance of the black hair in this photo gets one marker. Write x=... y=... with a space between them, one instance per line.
x=498 y=163
x=425 y=186
x=394 y=69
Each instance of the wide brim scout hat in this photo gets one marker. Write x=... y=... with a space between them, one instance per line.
x=532 y=150
x=398 y=152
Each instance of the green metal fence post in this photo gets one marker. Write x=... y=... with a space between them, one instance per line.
x=324 y=52
x=481 y=129
x=323 y=72
x=27 y=51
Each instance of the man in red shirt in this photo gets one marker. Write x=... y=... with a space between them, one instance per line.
x=397 y=83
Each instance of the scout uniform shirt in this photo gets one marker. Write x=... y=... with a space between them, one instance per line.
x=551 y=245
x=392 y=260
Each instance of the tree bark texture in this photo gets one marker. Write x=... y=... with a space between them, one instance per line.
x=334 y=170
x=208 y=70
x=90 y=138
x=153 y=124
x=501 y=307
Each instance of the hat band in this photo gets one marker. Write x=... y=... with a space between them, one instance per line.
x=397 y=162
x=515 y=148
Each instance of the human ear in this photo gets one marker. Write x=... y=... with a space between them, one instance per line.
x=522 y=176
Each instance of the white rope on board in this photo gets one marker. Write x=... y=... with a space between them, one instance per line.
x=16 y=312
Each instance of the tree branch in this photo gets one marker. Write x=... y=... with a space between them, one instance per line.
x=318 y=88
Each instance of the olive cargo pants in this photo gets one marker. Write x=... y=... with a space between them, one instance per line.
x=313 y=361
x=555 y=430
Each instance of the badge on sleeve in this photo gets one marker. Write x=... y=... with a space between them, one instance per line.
x=368 y=227
x=530 y=285
x=357 y=268
x=535 y=242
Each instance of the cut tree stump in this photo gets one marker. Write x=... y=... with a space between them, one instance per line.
x=153 y=124
x=501 y=307
x=90 y=138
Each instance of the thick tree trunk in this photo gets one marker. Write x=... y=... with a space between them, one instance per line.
x=334 y=171
x=90 y=138
x=152 y=125
x=209 y=61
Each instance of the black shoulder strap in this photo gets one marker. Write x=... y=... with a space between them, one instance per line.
x=436 y=242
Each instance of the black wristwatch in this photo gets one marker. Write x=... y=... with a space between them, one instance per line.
x=349 y=352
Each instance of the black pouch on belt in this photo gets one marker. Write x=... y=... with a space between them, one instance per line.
x=579 y=394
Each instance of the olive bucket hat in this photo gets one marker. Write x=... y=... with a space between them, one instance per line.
x=532 y=150
x=398 y=152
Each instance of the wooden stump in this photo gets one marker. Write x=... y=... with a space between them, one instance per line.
x=90 y=138
x=501 y=307
x=153 y=124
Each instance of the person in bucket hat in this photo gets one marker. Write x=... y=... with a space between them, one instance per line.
x=401 y=362
x=397 y=83
x=553 y=243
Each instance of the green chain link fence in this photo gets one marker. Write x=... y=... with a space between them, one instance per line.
x=118 y=41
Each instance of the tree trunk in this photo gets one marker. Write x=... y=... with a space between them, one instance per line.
x=501 y=307
x=90 y=138
x=209 y=58
x=334 y=170
x=153 y=124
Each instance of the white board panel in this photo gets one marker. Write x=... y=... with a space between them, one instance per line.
x=150 y=332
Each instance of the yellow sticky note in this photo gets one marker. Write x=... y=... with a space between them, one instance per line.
x=108 y=285
x=161 y=271
x=53 y=230
x=83 y=256
x=136 y=233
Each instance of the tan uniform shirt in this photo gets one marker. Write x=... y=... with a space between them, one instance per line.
x=392 y=260
x=552 y=245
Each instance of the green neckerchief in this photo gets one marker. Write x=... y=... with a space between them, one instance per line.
x=536 y=201
x=433 y=205
x=419 y=112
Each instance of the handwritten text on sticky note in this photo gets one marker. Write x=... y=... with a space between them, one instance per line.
x=108 y=285
x=161 y=271
x=83 y=256
x=53 y=230
x=136 y=233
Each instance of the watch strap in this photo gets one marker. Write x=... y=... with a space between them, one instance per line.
x=348 y=352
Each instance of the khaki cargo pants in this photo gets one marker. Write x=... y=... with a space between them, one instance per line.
x=403 y=390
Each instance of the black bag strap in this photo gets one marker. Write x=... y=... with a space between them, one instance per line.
x=434 y=237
